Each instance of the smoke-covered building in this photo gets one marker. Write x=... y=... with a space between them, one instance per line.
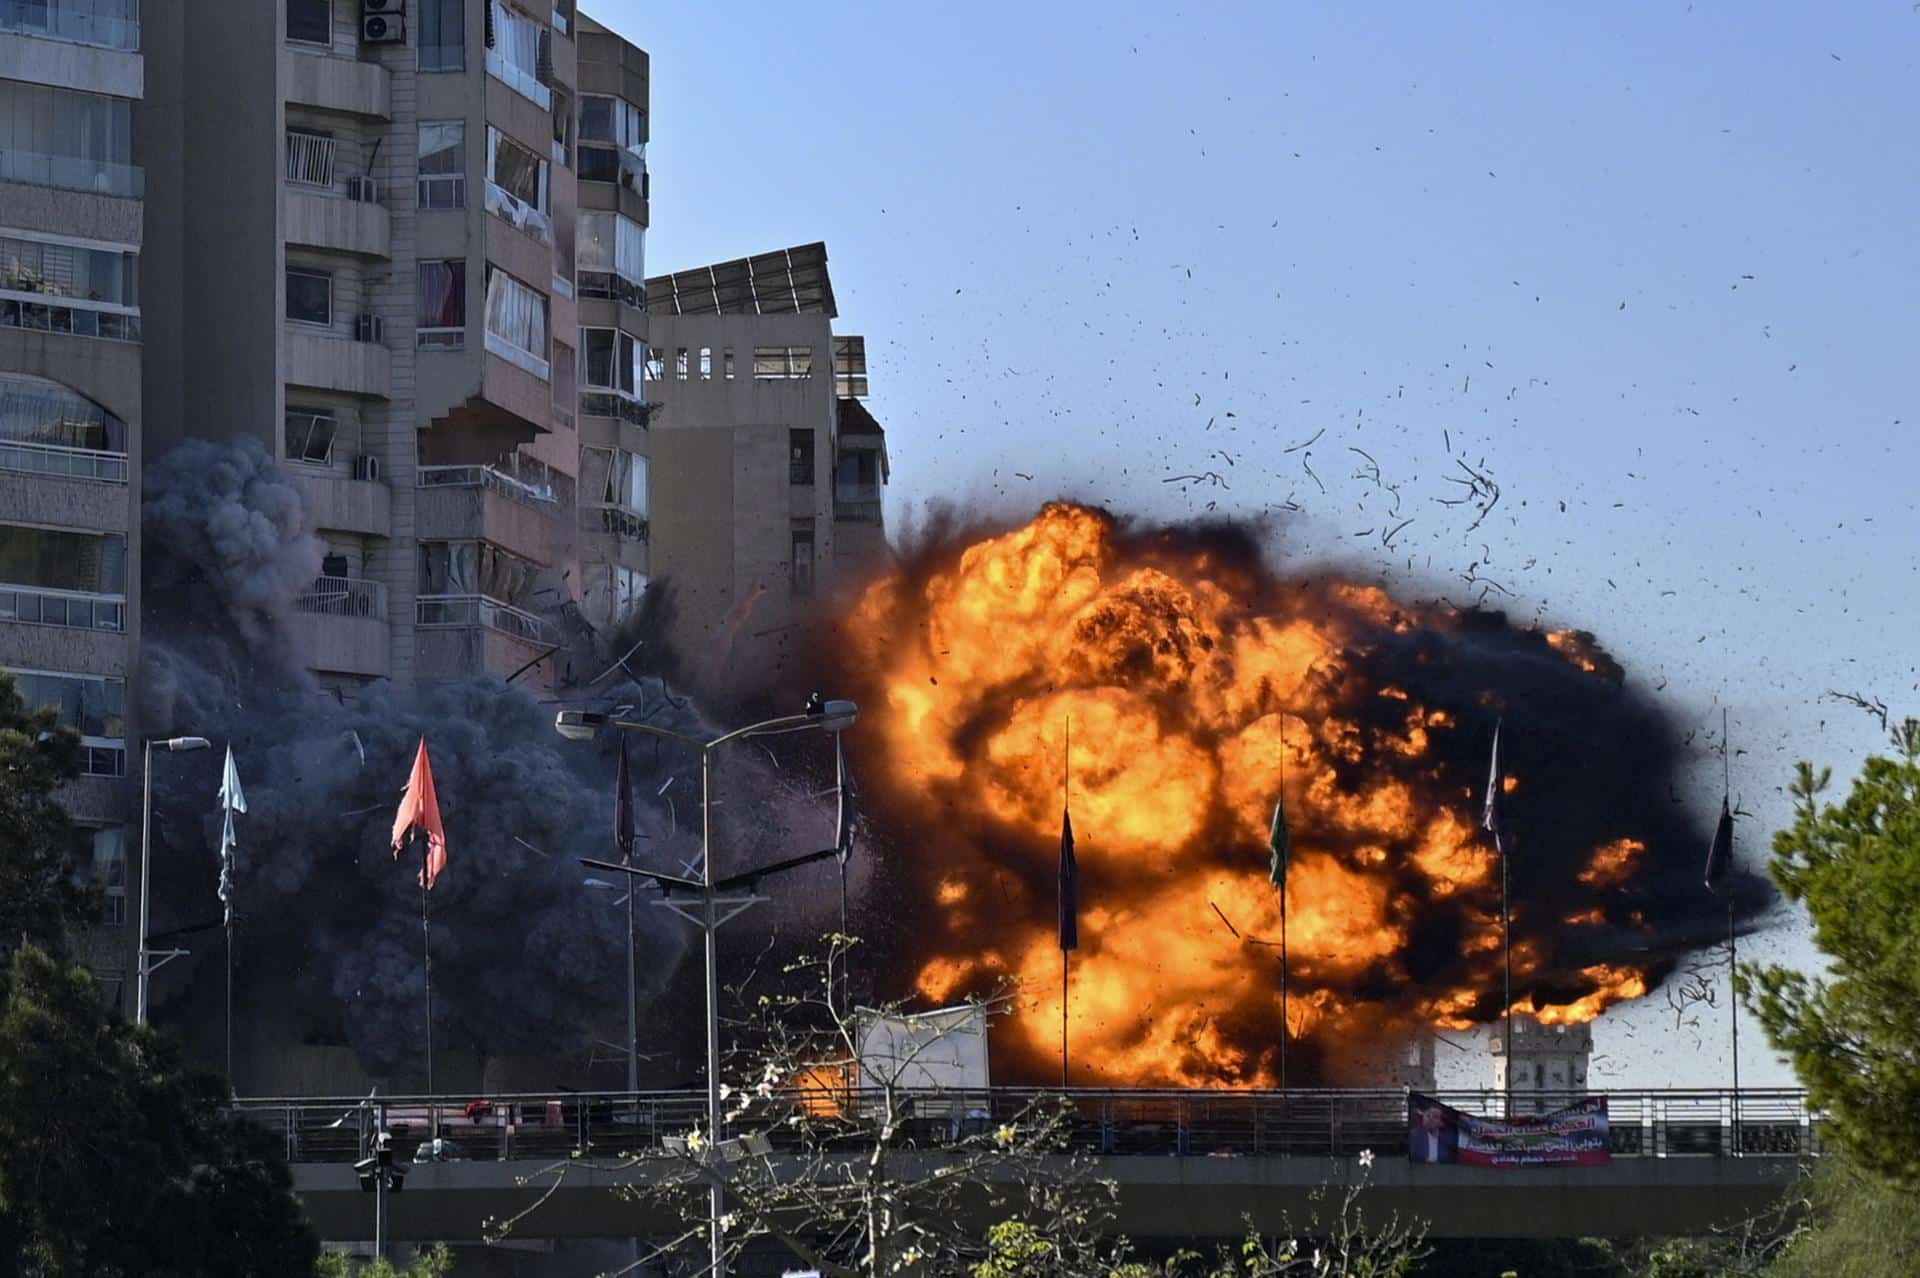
x=72 y=77
x=365 y=225
x=772 y=467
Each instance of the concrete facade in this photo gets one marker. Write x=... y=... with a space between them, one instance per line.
x=295 y=205
x=754 y=435
x=71 y=351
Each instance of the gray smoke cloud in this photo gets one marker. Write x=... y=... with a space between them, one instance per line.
x=528 y=959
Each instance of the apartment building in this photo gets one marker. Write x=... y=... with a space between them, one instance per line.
x=72 y=79
x=365 y=224
x=771 y=466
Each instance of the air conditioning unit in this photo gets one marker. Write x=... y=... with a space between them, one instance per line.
x=382 y=28
x=369 y=328
x=392 y=7
x=363 y=190
x=367 y=467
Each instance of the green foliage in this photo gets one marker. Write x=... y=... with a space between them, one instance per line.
x=1854 y=1036
x=1858 y=1226
x=115 y=1158
x=430 y=1262
x=40 y=903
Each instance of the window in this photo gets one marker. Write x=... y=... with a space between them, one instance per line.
x=310 y=433
x=443 y=164
x=858 y=468
x=517 y=186
x=706 y=363
x=309 y=296
x=562 y=127
x=610 y=360
x=613 y=141
x=800 y=457
x=51 y=559
x=726 y=359
x=100 y=852
x=612 y=592
x=513 y=53
x=441 y=305
x=36 y=411
x=443 y=35
x=562 y=15
x=612 y=259
x=773 y=363
x=803 y=561
x=310 y=21
x=615 y=477
x=475 y=568
x=93 y=707
x=68 y=139
x=106 y=24
x=656 y=364
x=680 y=364
x=59 y=268
x=516 y=322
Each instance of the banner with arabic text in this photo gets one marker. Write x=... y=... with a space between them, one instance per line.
x=1576 y=1136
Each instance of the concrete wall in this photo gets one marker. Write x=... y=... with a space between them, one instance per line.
x=71 y=66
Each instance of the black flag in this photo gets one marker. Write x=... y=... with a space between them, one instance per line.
x=1494 y=818
x=1720 y=852
x=1279 y=845
x=1069 y=887
x=623 y=807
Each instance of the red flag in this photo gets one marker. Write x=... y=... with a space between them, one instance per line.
x=420 y=808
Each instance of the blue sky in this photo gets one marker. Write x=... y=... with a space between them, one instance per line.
x=1652 y=261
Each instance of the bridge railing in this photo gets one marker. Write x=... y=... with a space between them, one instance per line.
x=1325 y=1123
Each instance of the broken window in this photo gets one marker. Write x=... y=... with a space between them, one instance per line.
x=800 y=456
x=803 y=561
x=443 y=164
x=441 y=313
x=773 y=363
x=309 y=435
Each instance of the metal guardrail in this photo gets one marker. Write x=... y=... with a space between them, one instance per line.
x=1312 y=1123
x=540 y=497
x=68 y=463
x=309 y=159
x=623 y=523
x=479 y=610
x=51 y=313
x=36 y=607
x=345 y=597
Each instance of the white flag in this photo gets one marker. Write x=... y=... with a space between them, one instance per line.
x=232 y=800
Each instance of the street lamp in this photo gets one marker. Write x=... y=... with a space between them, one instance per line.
x=701 y=902
x=147 y=967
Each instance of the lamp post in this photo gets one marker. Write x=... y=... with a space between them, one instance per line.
x=633 y=984
x=709 y=903
x=147 y=967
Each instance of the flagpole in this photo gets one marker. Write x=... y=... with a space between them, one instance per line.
x=230 y=1082
x=1066 y=805
x=426 y=950
x=1733 y=950
x=1286 y=1027
x=1506 y=945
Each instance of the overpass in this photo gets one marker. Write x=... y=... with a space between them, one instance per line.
x=1188 y=1165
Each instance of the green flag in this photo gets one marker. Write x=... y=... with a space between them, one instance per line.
x=1280 y=844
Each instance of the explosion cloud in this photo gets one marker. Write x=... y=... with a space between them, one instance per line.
x=1201 y=684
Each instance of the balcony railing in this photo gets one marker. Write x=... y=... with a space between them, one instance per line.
x=73 y=173
x=625 y=524
x=603 y=403
x=49 y=313
x=543 y=497
x=309 y=159
x=518 y=214
x=447 y=611
x=35 y=606
x=345 y=597
x=77 y=21
x=68 y=463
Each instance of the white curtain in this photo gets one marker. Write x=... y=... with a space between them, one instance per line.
x=517 y=38
x=517 y=314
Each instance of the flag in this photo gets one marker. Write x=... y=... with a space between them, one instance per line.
x=1494 y=818
x=1720 y=851
x=232 y=800
x=1280 y=844
x=1069 y=887
x=420 y=808
x=623 y=807
x=843 y=824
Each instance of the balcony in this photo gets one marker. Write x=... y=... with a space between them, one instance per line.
x=333 y=83
x=857 y=503
x=320 y=360
x=72 y=173
x=50 y=313
x=619 y=522
x=454 y=611
x=339 y=504
x=323 y=220
x=523 y=82
x=480 y=503
x=84 y=464
x=344 y=630
x=66 y=609
x=73 y=21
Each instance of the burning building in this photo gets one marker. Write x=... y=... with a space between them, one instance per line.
x=1199 y=685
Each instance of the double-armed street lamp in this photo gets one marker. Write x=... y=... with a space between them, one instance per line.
x=709 y=903
x=146 y=958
